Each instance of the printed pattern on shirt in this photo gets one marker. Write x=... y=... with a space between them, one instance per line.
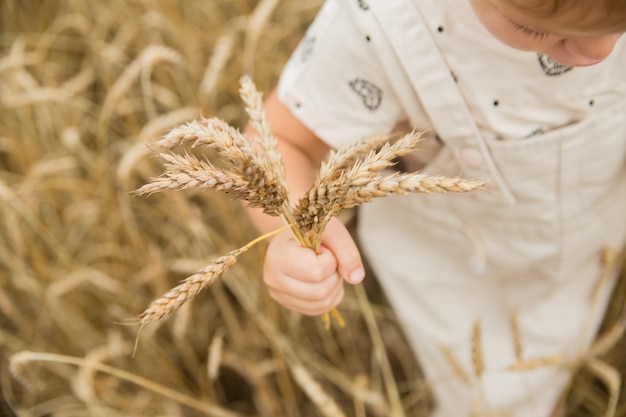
x=363 y=5
x=306 y=48
x=371 y=94
x=551 y=67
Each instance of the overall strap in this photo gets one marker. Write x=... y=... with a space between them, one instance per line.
x=406 y=25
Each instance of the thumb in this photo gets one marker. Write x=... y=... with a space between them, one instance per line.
x=339 y=241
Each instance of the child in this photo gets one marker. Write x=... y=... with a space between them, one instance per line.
x=528 y=95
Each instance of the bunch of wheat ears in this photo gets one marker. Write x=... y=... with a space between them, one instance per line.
x=252 y=170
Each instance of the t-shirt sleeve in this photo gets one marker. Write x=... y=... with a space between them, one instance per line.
x=334 y=82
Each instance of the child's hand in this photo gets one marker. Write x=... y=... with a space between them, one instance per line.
x=310 y=283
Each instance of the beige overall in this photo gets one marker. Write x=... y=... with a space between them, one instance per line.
x=464 y=271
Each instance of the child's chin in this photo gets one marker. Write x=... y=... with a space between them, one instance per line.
x=576 y=61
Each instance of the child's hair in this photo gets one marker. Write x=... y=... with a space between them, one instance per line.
x=592 y=16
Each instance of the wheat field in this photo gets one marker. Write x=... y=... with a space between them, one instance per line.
x=86 y=90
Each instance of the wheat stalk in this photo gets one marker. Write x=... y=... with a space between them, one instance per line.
x=478 y=360
x=325 y=403
x=192 y=285
x=346 y=155
x=455 y=365
x=611 y=379
x=148 y=58
x=187 y=171
x=538 y=363
x=253 y=171
x=517 y=338
x=18 y=362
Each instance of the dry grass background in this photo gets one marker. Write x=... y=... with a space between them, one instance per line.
x=84 y=88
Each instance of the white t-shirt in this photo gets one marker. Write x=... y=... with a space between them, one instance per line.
x=339 y=86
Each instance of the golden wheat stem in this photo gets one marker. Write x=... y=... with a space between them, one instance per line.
x=324 y=402
x=193 y=284
x=538 y=363
x=517 y=338
x=266 y=236
x=380 y=353
x=477 y=349
x=611 y=378
x=455 y=365
x=21 y=359
x=289 y=219
x=608 y=262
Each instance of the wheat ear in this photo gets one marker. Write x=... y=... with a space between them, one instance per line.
x=478 y=360
x=187 y=171
x=192 y=285
x=343 y=187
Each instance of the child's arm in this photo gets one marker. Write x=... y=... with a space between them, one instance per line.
x=296 y=277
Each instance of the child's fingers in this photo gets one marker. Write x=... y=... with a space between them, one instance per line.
x=308 y=291
x=306 y=282
x=339 y=241
x=310 y=306
x=285 y=257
